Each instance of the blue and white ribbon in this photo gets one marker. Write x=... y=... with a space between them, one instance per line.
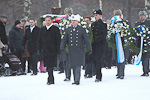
x=115 y=18
x=120 y=52
x=138 y=59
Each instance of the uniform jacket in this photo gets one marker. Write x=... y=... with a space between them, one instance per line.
x=76 y=40
x=99 y=30
x=49 y=42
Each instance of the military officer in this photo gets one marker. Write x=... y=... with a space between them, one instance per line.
x=75 y=37
x=99 y=30
x=64 y=56
x=145 y=56
x=121 y=66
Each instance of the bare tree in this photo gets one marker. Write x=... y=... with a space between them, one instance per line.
x=26 y=9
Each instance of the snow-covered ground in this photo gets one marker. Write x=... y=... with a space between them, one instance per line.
x=26 y=87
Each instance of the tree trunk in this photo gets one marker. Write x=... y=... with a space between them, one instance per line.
x=26 y=9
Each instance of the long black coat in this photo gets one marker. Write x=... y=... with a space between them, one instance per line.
x=3 y=36
x=99 y=30
x=49 y=42
x=31 y=38
x=16 y=38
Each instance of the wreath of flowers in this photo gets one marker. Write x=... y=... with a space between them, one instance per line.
x=121 y=27
x=141 y=31
x=66 y=23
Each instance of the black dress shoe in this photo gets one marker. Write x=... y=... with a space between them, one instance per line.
x=145 y=74
x=97 y=80
x=60 y=72
x=90 y=76
x=85 y=76
x=48 y=83
x=117 y=77
x=75 y=83
x=33 y=74
x=121 y=77
x=67 y=79
x=29 y=72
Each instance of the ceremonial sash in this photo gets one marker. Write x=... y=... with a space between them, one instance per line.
x=138 y=59
x=120 y=52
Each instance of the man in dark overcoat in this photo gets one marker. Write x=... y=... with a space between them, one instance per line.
x=76 y=37
x=145 y=56
x=3 y=37
x=49 y=42
x=31 y=37
x=99 y=30
x=16 y=40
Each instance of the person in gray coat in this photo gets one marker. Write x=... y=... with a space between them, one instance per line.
x=76 y=37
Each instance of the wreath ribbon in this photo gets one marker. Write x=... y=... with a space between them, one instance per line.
x=138 y=59
x=120 y=52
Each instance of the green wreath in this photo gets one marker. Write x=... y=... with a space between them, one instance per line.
x=123 y=28
x=140 y=31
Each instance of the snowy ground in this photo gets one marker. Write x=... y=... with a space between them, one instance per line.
x=27 y=87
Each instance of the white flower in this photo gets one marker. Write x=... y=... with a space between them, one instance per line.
x=145 y=44
x=144 y=35
x=127 y=26
x=145 y=50
x=67 y=26
x=63 y=28
x=115 y=25
x=87 y=31
x=60 y=28
x=125 y=34
x=79 y=24
x=148 y=37
x=144 y=31
x=129 y=33
x=148 y=32
x=129 y=38
x=84 y=26
x=60 y=24
x=125 y=40
x=68 y=22
x=84 y=23
x=144 y=40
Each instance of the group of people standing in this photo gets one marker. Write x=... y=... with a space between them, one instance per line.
x=29 y=43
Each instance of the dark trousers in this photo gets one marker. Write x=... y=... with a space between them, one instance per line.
x=120 y=69
x=34 y=60
x=61 y=66
x=50 y=75
x=98 y=67
x=145 y=64
x=67 y=69
x=24 y=63
x=88 y=69
x=77 y=73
